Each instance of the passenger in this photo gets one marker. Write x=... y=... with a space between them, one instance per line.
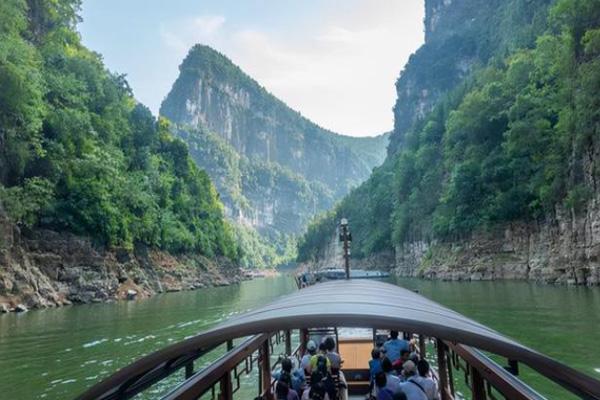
x=412 y=389
x=393 y=382
x=318 y=388
x=311 y=350
x=404 y=357
x=283 y=391
x=322 y=353
x=394 y=346
x=322 y=365
x=375 y=364
x=424 y=379
x=332 y=355
x=336 y=365
x=383 y=392
x=295 y=377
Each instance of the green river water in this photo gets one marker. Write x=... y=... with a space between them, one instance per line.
x=56 y=353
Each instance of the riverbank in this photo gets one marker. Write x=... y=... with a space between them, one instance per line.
x=42 y=268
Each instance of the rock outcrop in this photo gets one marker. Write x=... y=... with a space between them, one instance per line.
x=46 y=269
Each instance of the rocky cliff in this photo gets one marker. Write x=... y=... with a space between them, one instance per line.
x=46 y=269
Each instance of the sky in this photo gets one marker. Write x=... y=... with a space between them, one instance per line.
x=335 y=61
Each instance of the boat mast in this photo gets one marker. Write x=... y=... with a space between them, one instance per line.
x=346 y=238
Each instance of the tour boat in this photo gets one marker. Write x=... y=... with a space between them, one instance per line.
x=256 y=340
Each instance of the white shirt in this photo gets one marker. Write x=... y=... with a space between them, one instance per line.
x=393 y=383
x=305 y=363
x=412 y=391
x=430 y=386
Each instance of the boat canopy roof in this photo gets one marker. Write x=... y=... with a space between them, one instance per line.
x=369 y=304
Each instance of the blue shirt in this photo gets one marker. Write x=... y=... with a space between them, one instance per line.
x=375 y=368
x=385 y=394
x=297 y=378
x=393 y=348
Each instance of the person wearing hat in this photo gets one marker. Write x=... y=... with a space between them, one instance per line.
x=311 y=350
x=412 y=388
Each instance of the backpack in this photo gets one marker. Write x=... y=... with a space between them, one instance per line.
x=322 y=364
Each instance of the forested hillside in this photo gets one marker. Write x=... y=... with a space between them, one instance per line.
x=273 y=168
x=97 y=198
x=512 y=143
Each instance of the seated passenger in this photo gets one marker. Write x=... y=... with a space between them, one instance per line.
x=332 y=355
x=412 y=389
x=321 y=354
x=295 y=376
x=283 y=391
x=393 y=382
x=311 y=350
x=375 y=364
x=394 y=346
x=404 y=357
x=336 y=365
x=322 y=365
x=424 y=379
x=383 y=392
x=318 y=388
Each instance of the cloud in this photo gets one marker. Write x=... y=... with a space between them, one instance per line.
x=338 y=70
x=208 y=24
x=182 y=34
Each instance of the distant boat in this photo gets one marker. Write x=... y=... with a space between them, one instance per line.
x=338 y=273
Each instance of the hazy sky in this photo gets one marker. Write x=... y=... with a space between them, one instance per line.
x=335 y=61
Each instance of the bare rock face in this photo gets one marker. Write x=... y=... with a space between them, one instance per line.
x=48 y=269
x=564 y=250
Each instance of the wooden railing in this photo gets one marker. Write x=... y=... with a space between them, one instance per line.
x=486 y=379
x=221 y=380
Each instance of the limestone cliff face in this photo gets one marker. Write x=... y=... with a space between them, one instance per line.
x=565 y=250
x=281 y=168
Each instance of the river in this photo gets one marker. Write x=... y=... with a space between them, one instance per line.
x=56 y=353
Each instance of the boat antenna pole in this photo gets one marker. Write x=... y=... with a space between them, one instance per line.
x=346 y=238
